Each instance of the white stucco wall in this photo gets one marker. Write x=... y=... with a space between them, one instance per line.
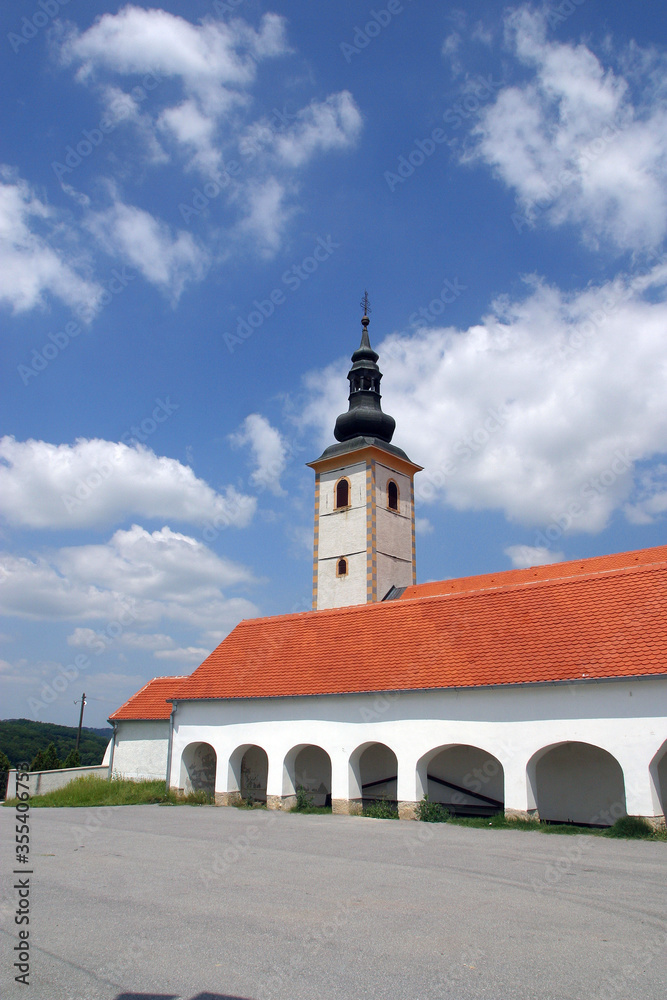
x=513 y=724
x=41 y=782
x=394 y=531
x=342 y=533
x=141 y=749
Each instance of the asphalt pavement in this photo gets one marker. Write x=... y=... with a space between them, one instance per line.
x=148 y=902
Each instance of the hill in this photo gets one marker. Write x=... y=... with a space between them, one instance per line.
x=20 y=739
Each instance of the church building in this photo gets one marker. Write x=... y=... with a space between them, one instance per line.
x=539 y=692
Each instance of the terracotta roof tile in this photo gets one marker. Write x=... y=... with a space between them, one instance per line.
x=151 y=701
x=552 y=571
x=603 y=619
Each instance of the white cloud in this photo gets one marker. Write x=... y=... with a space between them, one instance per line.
x=266 y=215
x=268 y=449
x=331 y=124
x=30 y=268
x=525 y=556
x=190 y=655
x=572 y=143
x=147 y=243
x=208 y=57
x=189 y=126
x=95 y=483
x=136 y=579
x=542 y=410
x=200 y=109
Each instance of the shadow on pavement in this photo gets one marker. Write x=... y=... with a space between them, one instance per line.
x=175 y=996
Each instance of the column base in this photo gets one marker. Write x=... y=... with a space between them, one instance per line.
x=346 y=807
x=274 y=801
x=657 y=822
x=407 y=810
x=227 y=798
x=522 y=814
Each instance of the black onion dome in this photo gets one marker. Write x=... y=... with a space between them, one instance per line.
x=364 y=417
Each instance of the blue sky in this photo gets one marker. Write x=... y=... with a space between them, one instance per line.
x=193 y=199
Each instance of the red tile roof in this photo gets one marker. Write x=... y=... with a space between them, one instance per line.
x=605 y=619
x=151 y=701
x=552 y=571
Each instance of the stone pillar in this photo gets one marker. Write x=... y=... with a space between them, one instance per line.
x=346 y=807
x=408 y=788
x=407 y=810
x=519 y=794
x=227 y=798
x=274 y=801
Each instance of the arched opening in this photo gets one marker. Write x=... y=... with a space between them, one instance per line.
x=341 y=567
x=374 y=775
x=249 y=767
x=658 y=770
x=342 y=493
x=577 y=783
x=467 y=780
x=307 y=767
x=392 y=495
x=198 y=765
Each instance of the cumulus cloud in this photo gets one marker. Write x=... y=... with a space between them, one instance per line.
x=268 y=451
x=331 y=124
x=543 y=410
x=525 y=556
x=137 y=578
x=574 y=143
x=208 y=58
x=166 y=260
x=95 y=483
x=266 y=215
x=211 y=69
x=31 y=269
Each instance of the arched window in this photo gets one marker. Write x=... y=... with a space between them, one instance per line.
x=341 y=567
x=342 y=493
x=392 y=495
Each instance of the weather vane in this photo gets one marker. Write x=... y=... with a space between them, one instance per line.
x=365 y=303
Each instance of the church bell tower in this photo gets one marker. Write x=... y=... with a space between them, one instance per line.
x=364 y=497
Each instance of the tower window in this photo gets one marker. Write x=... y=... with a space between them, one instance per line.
x=342 y=493
x=341 y=567
x=392 y=495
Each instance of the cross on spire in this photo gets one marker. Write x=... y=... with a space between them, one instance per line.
x=365 y=303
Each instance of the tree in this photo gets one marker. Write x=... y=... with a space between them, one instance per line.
x=38 y=762
x=73 y=759
x=46 y=760
x=5 y=766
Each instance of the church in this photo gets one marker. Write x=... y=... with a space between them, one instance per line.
x=539 y=692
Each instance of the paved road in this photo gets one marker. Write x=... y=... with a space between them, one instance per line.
x=221 y=904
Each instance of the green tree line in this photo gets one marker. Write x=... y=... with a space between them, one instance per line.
x=23 y=740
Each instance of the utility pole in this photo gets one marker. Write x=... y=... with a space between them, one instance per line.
x=83 y=705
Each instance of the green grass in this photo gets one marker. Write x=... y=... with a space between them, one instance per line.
x=380 y=809
x=626 y=828
x=311 y=810
x=96 y=791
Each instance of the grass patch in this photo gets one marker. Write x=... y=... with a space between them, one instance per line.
x=249 y=803
x=95 y=791
x=628 y=827
x=380 y=809
x=312 y=810
x=432 y=812
x=634 y=828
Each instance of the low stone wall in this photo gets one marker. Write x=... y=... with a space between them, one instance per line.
x=40 y=782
